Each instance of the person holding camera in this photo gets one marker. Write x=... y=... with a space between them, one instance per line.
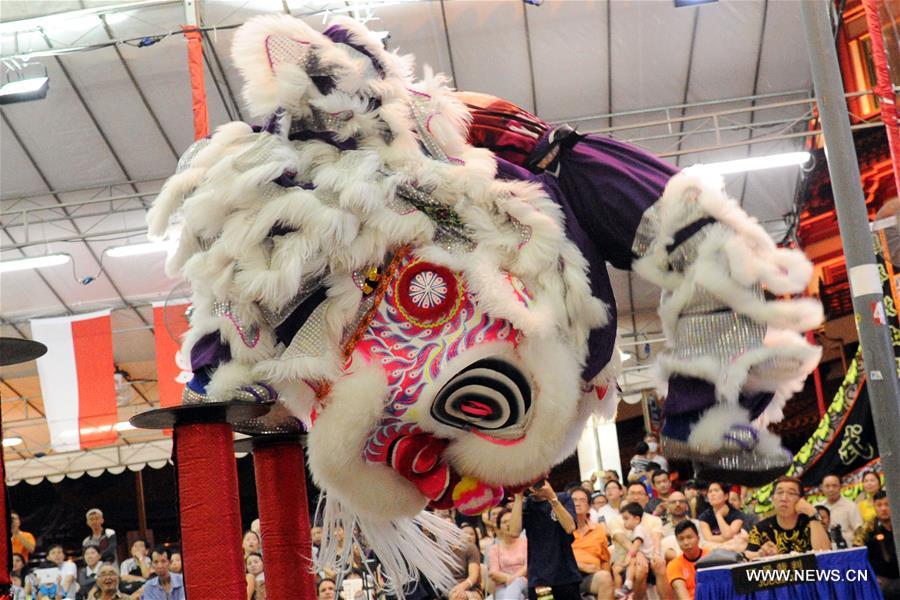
x=549 y=520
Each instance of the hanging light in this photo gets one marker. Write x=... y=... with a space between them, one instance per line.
x=13 y=440
x=34 y=262
x=756 y=163
x=22 y=87
x=139 y=249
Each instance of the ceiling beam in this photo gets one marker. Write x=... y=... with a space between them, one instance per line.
x=449 y=45
x=687 y=81
x=756 y=70
x=534 y=104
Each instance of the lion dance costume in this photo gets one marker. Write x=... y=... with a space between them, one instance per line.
x=439 y=314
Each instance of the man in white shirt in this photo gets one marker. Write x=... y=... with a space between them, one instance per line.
x=844 y=513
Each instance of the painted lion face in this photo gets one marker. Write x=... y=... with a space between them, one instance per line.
x=468 y=404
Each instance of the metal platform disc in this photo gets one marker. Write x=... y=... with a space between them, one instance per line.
x=233 y=412
x=16 y=350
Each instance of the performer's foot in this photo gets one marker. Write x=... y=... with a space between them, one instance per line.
x=723 y=445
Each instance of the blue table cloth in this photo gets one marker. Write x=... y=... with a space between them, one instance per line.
x=836 y=581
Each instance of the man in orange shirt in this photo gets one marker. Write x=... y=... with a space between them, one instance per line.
x=591 y=549
x=22 y=541
x=682 y=570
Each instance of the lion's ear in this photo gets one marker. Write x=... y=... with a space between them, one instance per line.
x=277 y=56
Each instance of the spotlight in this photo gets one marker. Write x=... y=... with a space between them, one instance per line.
x=23 y=88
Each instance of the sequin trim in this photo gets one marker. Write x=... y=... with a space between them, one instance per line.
x=249 y=335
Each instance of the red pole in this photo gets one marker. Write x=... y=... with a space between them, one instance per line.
x=198 y=82
x=883 y=87
x=5 y=556
x=210 y=512
x=284 y=520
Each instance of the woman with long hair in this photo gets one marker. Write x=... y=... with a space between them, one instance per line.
x=508 y=561
x=871 y=484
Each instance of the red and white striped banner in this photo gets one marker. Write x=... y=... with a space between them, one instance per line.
x=77 y=379
x=172 y=369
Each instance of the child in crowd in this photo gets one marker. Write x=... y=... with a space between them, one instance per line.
x=642 y=542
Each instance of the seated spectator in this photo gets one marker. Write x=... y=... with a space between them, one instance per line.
x=652 y=441
x=166 y=585
x=135 y=571
x=662 y=487
x=103 y=538
x=643 y=549
x=591 y=549
x=22 y=541
x=16 y=590
x=793 y=528
x=326 y=589
x=489 y=523
x=879 y=541
x=721 y=523
x=466 y=570
x=175 y=560
x=548 y=519
x=107 y=586
x=696 y=490
x=640 y=463
x=53 y=578
x=638 y=493
x=87 y=574
x=508 y=561
x=846 y=519
x=676 y=513
x=251 y=543
x=614 y=493
x=682 y=570
x=736 y=500
x=871 y=483
x=18 y=565
x=834 y=533
x=256 y=581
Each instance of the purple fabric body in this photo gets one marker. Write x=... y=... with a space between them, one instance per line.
x=339 y=35
x=209 y=351
x=604 y=187
x=600 y=341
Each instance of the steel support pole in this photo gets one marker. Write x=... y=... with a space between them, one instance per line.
x=865 y=283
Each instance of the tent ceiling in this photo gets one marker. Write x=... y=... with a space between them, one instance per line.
x=116 y=118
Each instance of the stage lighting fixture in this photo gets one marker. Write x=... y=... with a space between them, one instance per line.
x=13 y=440
x=35 y=262
x=140 y=249
x=756 y=163
x=21 y=87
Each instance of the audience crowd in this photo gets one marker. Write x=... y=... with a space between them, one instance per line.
x=600 y=539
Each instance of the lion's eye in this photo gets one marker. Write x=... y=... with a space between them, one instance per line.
x=489 y=394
